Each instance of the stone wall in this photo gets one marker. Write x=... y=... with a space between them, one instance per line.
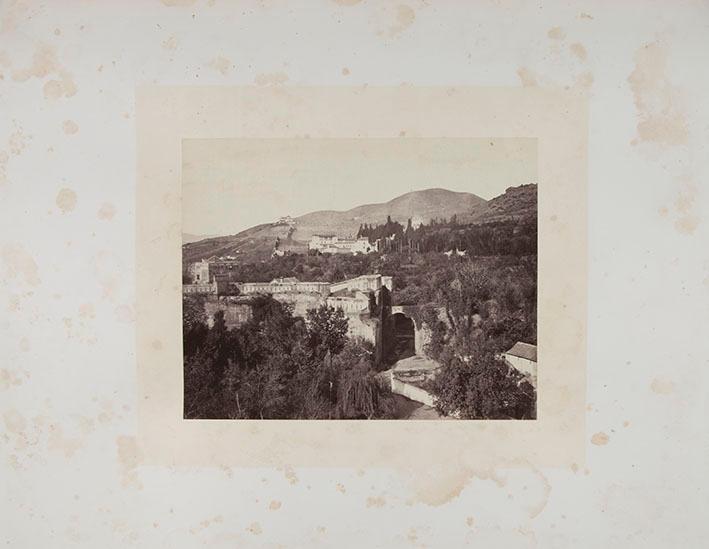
x=236 y=311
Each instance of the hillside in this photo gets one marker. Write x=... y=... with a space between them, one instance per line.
x=420 y=206
x=516 y=203
x=188 y=238
x=256 y=243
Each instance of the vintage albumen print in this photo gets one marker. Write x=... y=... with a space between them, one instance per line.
x=359 y=278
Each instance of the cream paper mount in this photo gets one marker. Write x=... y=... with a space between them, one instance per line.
x=557 y=119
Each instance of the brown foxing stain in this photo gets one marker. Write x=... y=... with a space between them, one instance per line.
x=19 y=264
x=661 y=118
x=106 y=414
x=129 y=457
x=85 y=424
x=156 y=344
x=170 y=43
x=579 y=51
x=12 y=14
x=4 y=159
x=290 y=474
x=79 y=329
x=556 y=33
x=526 y=77
x=340 y=488
x=125 y=313
x=105 y=267
x=203 y=525
x=441 y=485
x=271 y=79
x=662 y=386
x=24 y=345
x=66 y=200
x=254 y=528
x=44 y=64
x=345 y=71
x=9 y=379
x=70 y=127
x=275 y=505
x=405 y=16
x=536 y=510
x=17 y=142
x=687 y=220
x=584 y=81
x=106 y=211
x=56 y=441
x=600 y=439
x=470 y=521
x=15 y=422
x=221 y=64
x=376 y=501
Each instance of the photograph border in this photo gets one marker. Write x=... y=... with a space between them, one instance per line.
x=556 y=118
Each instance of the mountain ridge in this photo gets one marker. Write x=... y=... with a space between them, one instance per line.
x=422 y=206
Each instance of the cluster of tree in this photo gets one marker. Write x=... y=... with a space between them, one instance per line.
x=278 y=366
x=504 y=237
x=479 y=314
x=381 y=232
x=477 y=306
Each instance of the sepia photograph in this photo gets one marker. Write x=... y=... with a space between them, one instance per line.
x=359 y=278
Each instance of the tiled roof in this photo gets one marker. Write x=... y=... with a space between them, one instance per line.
x=524 y=350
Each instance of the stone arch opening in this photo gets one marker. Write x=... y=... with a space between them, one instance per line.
x=402 y=337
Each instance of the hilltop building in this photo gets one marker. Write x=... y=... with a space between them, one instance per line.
x=332 y=244
x=285 y=220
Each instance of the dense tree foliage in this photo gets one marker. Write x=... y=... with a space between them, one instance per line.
x=276 y=366
x=482 y=312
x=504 y=237
x=475 y=304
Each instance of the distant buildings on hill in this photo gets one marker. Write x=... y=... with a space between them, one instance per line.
x=285 y=220
x=332 y=244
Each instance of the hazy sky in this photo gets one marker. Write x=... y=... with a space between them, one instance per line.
x=229 y=185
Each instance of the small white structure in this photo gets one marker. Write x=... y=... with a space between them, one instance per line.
x=523 y=358
x=285 y=220
x=409 y=377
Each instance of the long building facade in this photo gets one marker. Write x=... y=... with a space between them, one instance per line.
x=351 y=296
x=332 y=244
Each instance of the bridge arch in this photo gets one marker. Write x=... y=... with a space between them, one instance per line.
x=400 y=336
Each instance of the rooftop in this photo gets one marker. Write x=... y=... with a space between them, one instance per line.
x=288 y=280
x=524 y=350
x=416 y=363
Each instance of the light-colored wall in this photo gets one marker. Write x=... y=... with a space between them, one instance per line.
x=411 y=391
x=199 y=288
x=527 y=367
x=235 y=314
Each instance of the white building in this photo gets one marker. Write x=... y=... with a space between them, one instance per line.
x=523 y=358
x=335 y=245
